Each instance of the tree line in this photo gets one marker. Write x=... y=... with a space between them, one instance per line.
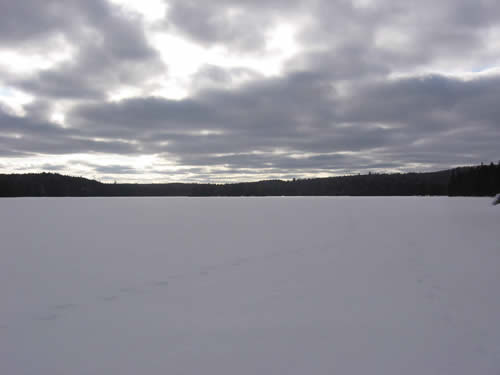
x=483 y=180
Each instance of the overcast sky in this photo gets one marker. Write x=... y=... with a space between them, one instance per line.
x=231 y=90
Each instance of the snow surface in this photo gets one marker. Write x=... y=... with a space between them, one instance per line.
x=249 y=286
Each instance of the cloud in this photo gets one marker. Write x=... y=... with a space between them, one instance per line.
x=25 y=136
x=301 y=115
x=111 y=49
x=38 y=20
x=382 y=84
x=116 y=169
x=240 y=25
x=213 y=77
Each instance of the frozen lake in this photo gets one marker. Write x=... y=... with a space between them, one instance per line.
x=242 y=286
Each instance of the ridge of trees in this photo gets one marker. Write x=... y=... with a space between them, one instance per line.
x=483 y=180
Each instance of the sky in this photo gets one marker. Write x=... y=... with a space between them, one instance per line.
x=227 y=90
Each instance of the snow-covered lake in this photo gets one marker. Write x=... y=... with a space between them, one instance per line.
x=242 y=286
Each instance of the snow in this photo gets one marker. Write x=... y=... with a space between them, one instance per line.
x=249 y=286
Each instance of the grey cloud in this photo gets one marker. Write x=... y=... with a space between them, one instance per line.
x=281 y=162
x=29 y=145
x=431 y=101
x=38 y=20
x=301 y=114
x=212 y=77
x=24 y=136
x=60 y=84
x=112 y=49
x=240 y=24
x=140 y=116
x=53 y=167
x=7 y=152
x=26 y=126
x=269 y=108
x=37 y=110
x=334 y=101
x=207 y=25
x=116 y=169
x=396 y=36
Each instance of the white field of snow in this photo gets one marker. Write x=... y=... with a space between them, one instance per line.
x=242 y=286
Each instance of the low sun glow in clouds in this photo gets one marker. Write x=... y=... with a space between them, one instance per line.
x=227 y=90
x=184 y=58
x=14 y=100
x=30 y=61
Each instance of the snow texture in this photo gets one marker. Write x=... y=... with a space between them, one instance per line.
x=249 y=286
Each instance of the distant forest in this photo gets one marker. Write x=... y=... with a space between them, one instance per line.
x=483 y=180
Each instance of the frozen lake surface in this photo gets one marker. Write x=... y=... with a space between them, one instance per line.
x=242 y=286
